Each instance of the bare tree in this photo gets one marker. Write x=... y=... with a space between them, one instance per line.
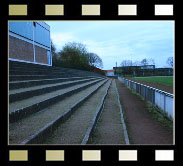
x=170 y=61
x=95 y=60
x=151 y=61
x=144 y=62
x=136 y=63
x=126 y=63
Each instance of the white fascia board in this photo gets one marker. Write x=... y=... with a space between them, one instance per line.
x=43 y=24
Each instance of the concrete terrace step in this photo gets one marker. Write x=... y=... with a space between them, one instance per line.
x=40 y=71
x=40 y=77
x=25 y=107
x=21 y=65
x=31 y=83
x=15 y=66
x=24 y=93
x=35 y=67
x=48 y=68
x=79 y=121
x=58 y=74
x=49 y=85
x=23 y=129
x=24 y=72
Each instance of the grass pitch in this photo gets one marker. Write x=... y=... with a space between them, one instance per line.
x=163 y=80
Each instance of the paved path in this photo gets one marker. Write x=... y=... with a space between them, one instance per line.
x=109 y=129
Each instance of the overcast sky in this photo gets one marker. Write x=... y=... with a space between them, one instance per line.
x=115 y=41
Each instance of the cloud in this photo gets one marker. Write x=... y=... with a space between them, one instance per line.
x=60 y=39
x=115 y=41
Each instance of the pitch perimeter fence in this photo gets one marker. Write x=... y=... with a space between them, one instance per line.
x=158 y=98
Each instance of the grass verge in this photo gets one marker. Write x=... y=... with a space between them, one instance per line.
x=155 y=113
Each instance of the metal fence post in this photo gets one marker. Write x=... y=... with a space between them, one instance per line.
x=164 y=102
x=145 y=87
x=153 y=97
x=141 y=89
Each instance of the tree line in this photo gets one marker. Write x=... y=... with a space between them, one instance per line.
x=144 y=62
x=75 y=55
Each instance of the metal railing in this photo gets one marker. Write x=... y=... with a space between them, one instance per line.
x=158 y=98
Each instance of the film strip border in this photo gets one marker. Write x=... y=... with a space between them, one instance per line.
x=18 y=156
x=91 y=10
x=89 y=155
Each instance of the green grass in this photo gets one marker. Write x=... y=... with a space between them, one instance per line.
x=160 y=118
x=163 y=80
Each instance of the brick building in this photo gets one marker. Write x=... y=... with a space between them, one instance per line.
x=29 y=41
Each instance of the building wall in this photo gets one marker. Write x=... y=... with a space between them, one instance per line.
x=41 y=55
x=30 y=42
x=19 y=49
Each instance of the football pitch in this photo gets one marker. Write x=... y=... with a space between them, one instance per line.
x=163 y=80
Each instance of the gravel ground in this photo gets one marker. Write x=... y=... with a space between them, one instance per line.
x=24 y=128
x=27 y=102
x=143 y=129
x=73 y=130
x=109 y=128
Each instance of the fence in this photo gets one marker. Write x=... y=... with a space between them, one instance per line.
x=156 y=97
